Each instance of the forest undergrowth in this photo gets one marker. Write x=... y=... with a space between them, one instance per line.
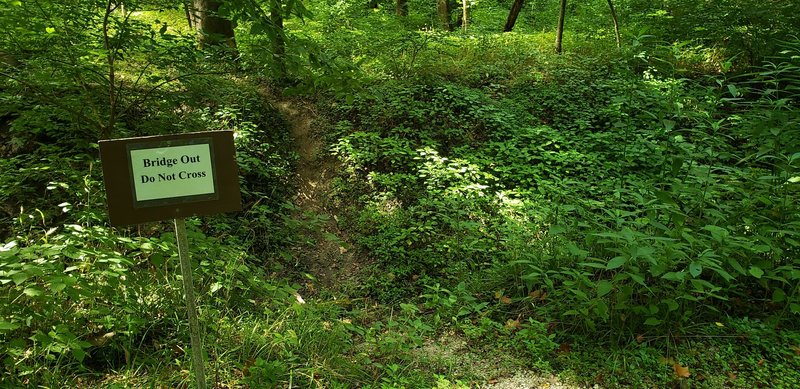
x=421 y=207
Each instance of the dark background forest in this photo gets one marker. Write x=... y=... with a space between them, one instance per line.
x=435 y=194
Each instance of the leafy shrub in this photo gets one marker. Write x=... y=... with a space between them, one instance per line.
x=637 y=202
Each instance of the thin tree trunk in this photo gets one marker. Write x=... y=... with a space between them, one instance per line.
x=560 y=31
x=278 y=44
x=443 y=10
x=401 y=9
x=512 y=15
x=106 y=131
x=465 y=15
x=616 y=23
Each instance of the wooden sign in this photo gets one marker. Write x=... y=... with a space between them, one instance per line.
x=169 y=177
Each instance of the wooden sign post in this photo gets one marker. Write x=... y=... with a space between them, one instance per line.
x=173 y=177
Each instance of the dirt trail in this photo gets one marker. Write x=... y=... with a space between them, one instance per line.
x=329 y=259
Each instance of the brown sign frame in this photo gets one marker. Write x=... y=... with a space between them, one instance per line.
x=123 y=208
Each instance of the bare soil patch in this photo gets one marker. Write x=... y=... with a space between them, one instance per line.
x=329 y=258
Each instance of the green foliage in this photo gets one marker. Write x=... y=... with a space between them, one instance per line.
x=638 y=198
x=636 y=203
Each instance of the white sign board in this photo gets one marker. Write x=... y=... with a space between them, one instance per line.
x=176 y=171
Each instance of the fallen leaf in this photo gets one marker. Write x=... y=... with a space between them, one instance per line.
x=639 y=338
x=492 y=381
x=681 y=371
x=599 y=378
x=796 y=349
x=247 y=364
x=505 y=300
x=732 y=376
x=564 y=348
x=498 y=294
x=310 y=286
x=512 y=324
x=538 y=294
x=761 y=362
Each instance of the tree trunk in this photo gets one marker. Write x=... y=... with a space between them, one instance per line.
x=213 y=29
x=512 y=15
x=560 y=31
x=278 y=44
x=616 y=23
x=443 y=10
x=465 y=15
x=401 y=9
x=372 y=4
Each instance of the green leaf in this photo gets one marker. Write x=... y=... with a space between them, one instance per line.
x=637 y=278
x=78 y=353
x=33 y=291
x=695 y=268
x=576 y=251
x=761 y=248
x=756 y=271
x=651 y=321
x=580 y=294
x=603 y=288
x=717 y=233
x=615 y=263
x=736 y=266
x=50 y=30
x=674 y=276
x=732 y=89
x=671 y=304
x=215 y=287
x=794 y=307
x=557 y=229
x=778 y=295
x=20 y=277
x=8 y=326
x=601 y=309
